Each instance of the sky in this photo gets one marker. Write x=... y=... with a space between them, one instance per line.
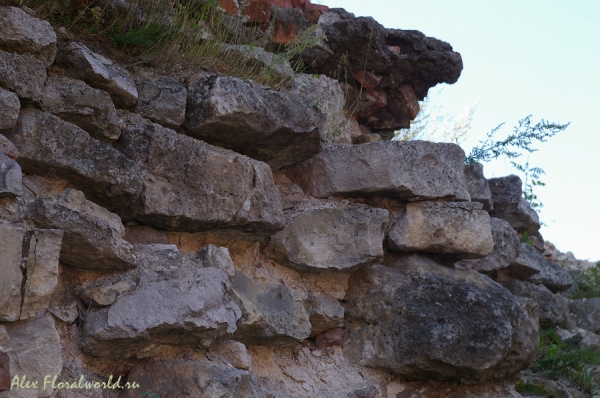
x=523 y=57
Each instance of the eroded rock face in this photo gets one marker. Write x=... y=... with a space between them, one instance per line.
x=587 y=313
x=34 y=350
x=24 y=34
x=190 y=185
x=554 y=277
x=163 y=101
x=275 y=127
x=76 y=102
x=50 y=146
x=100 y=72
x=41 y=249
x=179 y=307
x=332 y=239
x=443 y=227
x=93 y=235
x=506 y=249
x=509 y=204
x=478 y=186
x=173 y=379
x=325 y=313
x=270 y=313
x=22 y=73
x=9 y=109
x=11 y=183
x=421 y=320
x=410 y=170
x=553 y=308
x=404 y=65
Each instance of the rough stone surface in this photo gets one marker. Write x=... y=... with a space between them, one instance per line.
x=42 y=271
x=104 y=294
x=552 y=276
x=5 y=381
x=22 y=73
x=9 y=109
x=276 y=127
x=163 y=101
x=332 y=239
x=76 y=102
x=11 y=183
x=21 y=33
x=478 y=186
x=406 y=62
x=101 y=73
x=173 y=379
x=179 y=307
x=443 y=227
x=553 y=308
x=51 y=146
x=579 y=338
x=8 y=148
x=528 y=263
x=324 y=312
x=233 y=353
x=217 y=257
x=506 y=248
x=93 y=236
x=35 y=351
x=410 y=170
x=270 y=313
x=190 y=185
x=510 y=205
x=273 y=65
x=420 y=320
x=587 y=313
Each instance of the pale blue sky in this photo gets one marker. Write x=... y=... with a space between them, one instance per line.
x=524 y=57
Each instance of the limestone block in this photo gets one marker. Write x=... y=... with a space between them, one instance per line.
x=163 y=101
x=11 y=184
x=191 y=186
x=324 y=312
x=22 y=73
x=420 y=320
x=587 y=313
x=478 y=186
x=9 y=109
x=342 y=239
x=51 y=146
x=24 y=34
x=100 y=72
x=443 y=227
x=276 y=127
x=76 y=102
x=410 y=170
x=509 y=204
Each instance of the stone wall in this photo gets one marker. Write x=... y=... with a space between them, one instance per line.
x=207 y=236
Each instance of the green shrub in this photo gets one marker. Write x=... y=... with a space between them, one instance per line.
x=587 y=283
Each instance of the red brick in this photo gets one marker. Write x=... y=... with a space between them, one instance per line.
x=367 y=79
x=4 y=372
x=285 y=32
x=229 y=6
x=370 y=102
x=258 y=11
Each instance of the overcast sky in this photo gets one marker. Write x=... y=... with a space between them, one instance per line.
x=520 y=58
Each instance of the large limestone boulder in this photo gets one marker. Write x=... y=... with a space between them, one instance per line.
x=443 y=227
x=409 y=170
x=163 y=101
x=587 y=313
x=339 y=238
x=22 y=73
x=28 y=270
x=527 y=263
x=93 y=236
x=394 y=67
x=506 y=248
x=509 y=204
x=9 y=109
x=50 y=146
x=24 y=34
x=76 y=102
x=276 y=127
x=553 y=308
x=101 y=73
x=420 y=320
x=183 y=306
x=174 y=379
x=551 y=275
x=272 y=314
x=190 y=185
x=34 y=349
x=478 y=186
x=11 y=184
